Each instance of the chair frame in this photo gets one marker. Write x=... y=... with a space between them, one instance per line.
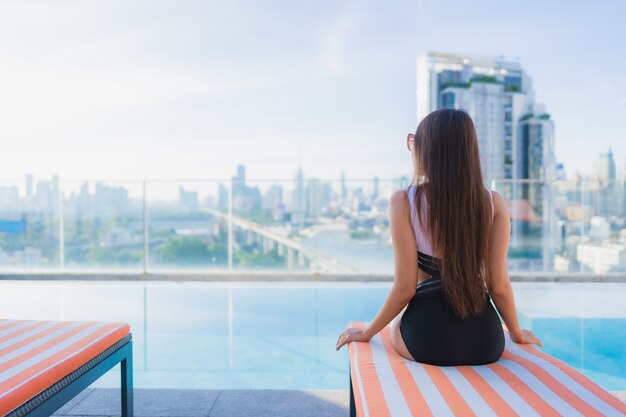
x=352 y=403
x=123 y=355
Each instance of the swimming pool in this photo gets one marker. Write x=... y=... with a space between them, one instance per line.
x=282 y=335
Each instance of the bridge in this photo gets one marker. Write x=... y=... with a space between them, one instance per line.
x=295 y=252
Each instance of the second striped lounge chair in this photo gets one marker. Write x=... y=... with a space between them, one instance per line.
x=524 y=382
x=44 y=364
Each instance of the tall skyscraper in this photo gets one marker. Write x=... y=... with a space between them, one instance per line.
x=299 y=196
x=344 y=190
x=498 y=96
x=376 y=189
x=319 y=195
x=607 y=196
x=604 y=167
x=245 y=199
x=515 y=135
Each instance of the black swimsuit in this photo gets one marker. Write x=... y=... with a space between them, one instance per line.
x=433 y=334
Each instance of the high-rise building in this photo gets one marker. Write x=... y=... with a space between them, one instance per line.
x=273 y=198
x=29 y=192
x=299 y=196
x=606 y=199
x=319 y=195
x=344 y=190
x=496 y=93
x=376 y=190
x=622 y=203
x=604 y=167
x=245 y=199
x=559 y=173
x=515 y=135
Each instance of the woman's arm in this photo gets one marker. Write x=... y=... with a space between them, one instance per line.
x=499 y=284
x=405 y=277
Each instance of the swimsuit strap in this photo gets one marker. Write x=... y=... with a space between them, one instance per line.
x=430 y=287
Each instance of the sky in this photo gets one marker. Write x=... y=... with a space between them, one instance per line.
x=190 y=89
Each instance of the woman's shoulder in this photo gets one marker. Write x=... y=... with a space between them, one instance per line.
x=399 y=198
x=498 y=202
x=399 y=205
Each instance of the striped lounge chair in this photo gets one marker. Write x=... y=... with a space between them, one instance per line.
x=524 y=382
x=43 y=364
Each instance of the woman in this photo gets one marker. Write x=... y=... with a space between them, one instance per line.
x=450 y=237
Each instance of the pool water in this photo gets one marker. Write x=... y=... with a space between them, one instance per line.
x=282 y=335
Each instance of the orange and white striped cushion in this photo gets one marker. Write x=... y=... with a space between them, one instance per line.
x=36 y=354
x=524 y=382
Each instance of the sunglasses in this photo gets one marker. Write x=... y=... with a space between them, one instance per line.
x=410 y=141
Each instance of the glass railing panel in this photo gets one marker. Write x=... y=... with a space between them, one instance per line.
x=31 y=233
x=545 y=224
x=317 y=225
x=602 y=246
x=102 y=225
x=310 y=225
x=187 y=225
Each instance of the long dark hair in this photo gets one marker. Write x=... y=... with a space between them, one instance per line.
x=448 y=172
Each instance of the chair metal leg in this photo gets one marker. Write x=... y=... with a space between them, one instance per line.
x=127 y=384
x=352 y=405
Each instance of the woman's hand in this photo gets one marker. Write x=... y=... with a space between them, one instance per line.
x=353 y=334
x=527 y=337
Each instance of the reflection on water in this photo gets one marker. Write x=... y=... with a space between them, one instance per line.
x=282 y=335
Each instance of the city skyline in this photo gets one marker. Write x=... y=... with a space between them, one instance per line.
x=122 y=92
x=557 y=226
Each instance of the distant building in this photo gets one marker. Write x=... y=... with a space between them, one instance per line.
x=272 y=198
x=604 y=167
x=515 y=135
x=245 y=199
x=187 y=199
x=319 y=195
x=599 y=228
x=376 y=191
x=606 y=191
x=298 y=203
x=344 y=189
x=602 y=258
x=110 y=197
x=47 y=198
x=498 y=96
x=29 y=191
x=623 y=195
x=559 y=173
x=222 y=197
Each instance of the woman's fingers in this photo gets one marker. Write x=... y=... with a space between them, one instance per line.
x=343 y=340
x=532 y=338
x=535 y=339
x=350 y=335
x=340 y=336
x=347 y=336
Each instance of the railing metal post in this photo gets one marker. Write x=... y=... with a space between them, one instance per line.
x=145 y=327
x=230 y=227
x=582 y=216
x=61 y=232
x=145 y=230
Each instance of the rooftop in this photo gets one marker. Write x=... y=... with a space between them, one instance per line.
x=216 y=403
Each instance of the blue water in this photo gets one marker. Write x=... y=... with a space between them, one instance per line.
x=282 y=335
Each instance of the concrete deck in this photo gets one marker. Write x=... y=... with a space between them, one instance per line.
x=103 y=402
x=216 y=403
